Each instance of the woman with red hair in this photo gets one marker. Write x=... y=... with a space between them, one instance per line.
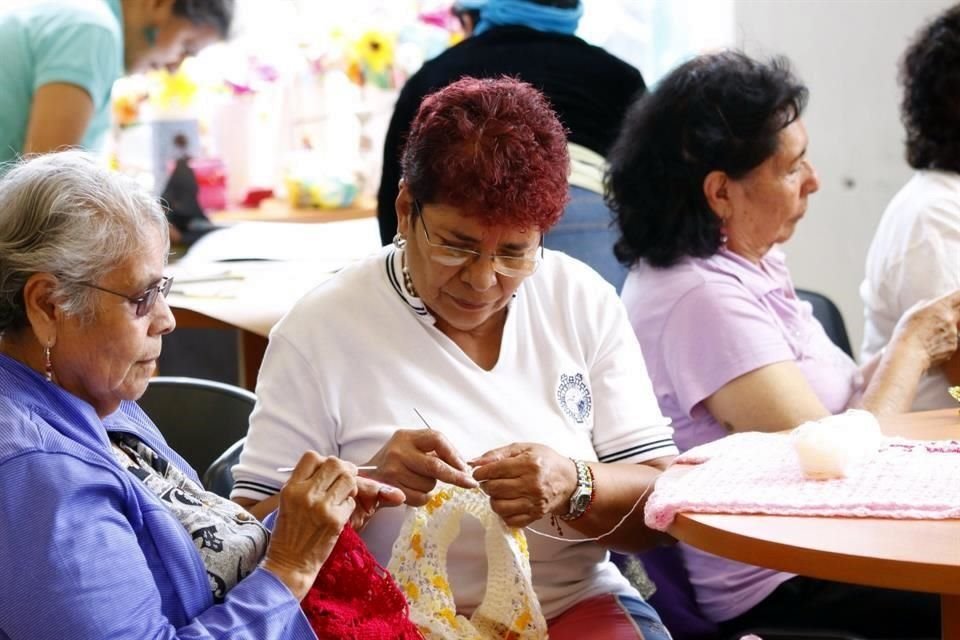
x=519 y=361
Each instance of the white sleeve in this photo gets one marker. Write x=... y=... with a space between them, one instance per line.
x=628 y=423
x=290 y=417
x=931 y=268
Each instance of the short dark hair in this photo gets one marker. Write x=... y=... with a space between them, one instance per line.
x=721 y=111
x=492 y=147
x=930 y=75
x=211 y=13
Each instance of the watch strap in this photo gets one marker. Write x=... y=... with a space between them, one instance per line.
x=582 y=496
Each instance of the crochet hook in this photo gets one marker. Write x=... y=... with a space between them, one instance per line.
x=422 y=419
x=427 y=425
x=368 y=467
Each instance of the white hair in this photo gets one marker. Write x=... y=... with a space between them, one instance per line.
x=66 y=214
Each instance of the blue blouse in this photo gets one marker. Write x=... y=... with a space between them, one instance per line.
x=88 y=552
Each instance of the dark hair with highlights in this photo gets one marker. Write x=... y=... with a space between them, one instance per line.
x=930 y=75
x=717 y=112
x=493 y=148
x=209 y=13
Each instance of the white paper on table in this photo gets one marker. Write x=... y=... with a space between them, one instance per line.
x=336 y=243
x=265 y=267
x=255 y=299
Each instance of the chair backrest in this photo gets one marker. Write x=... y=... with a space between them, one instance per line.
x=218 y=477
x=827 y=313
x=198 y=418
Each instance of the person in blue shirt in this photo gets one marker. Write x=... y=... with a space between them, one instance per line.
x=61 y=58
x=105 y=531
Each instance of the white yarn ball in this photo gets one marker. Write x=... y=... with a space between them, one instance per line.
x=833 y=446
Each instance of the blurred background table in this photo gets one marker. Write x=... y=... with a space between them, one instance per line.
x=243 y=279
x=276 y=210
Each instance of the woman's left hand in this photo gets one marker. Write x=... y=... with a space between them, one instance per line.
x=526 y=481
x=372 y=495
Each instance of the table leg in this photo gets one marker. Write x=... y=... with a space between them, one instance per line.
x=251 y=350
x=950 y=616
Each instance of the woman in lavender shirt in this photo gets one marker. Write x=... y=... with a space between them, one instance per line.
x=709 y=175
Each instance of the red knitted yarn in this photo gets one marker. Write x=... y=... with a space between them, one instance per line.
x=354 y=597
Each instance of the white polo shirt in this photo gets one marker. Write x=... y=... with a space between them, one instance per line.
x=914 y=256
x=350 y=362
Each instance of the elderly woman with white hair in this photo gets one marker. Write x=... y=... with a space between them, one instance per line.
x=105 y=531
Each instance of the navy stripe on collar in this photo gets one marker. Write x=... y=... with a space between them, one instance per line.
x=395 y=280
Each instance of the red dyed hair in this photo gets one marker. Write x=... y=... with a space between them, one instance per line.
x=493 y=148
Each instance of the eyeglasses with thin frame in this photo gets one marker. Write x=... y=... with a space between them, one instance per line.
x=450 y=256
x=144 y=300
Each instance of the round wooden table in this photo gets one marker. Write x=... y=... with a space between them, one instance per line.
x=916 y=555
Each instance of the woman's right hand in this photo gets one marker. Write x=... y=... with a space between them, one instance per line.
x=315 y=503
x=931 y=327
x=414 y=460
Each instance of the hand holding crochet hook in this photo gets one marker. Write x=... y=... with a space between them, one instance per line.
x=367 y=495
x=413 y=460
x=314 y=504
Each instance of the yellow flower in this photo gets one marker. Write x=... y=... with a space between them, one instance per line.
x=374 y=50
x=440 y=583
x=173 y=88
x=450 y=616
x=521 y=542
x=412 y=591
x=437 y=500
x=522 y=620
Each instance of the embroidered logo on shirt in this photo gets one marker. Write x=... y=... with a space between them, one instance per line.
x=574 y=397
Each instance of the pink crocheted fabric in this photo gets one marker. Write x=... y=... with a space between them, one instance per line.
x=760 y=473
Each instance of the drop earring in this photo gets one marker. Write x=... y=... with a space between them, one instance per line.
x=47 y=362
x=399 y=241
x=150 y=35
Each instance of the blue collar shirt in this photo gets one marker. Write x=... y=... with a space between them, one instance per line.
x=88 y=552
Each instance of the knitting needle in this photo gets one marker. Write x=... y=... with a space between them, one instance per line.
x=427 y=425
x=422 y=419
x=368 y=467
x=364 y=467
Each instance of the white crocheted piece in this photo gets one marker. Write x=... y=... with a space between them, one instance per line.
x=510 y=608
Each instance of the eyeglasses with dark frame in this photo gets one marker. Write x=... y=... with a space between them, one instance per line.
x=144 y=300
x=449 y=256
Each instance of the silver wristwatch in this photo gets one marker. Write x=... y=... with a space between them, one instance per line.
x=583 y=494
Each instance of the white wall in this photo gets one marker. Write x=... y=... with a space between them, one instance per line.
x=847 y=52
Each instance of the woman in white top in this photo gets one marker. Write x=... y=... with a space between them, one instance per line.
x=521 y=360
x=915 y=254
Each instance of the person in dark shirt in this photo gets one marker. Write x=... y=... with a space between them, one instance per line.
x=589 y=88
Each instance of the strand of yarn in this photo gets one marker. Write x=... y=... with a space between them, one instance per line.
x=602 y=535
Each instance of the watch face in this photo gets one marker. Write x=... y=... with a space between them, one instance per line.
x=582 y=500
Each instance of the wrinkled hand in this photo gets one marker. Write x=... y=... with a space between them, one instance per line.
x=526 y=482
x=371 y=496
x=414 y=460
x=315 y=503
x=931 y=327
